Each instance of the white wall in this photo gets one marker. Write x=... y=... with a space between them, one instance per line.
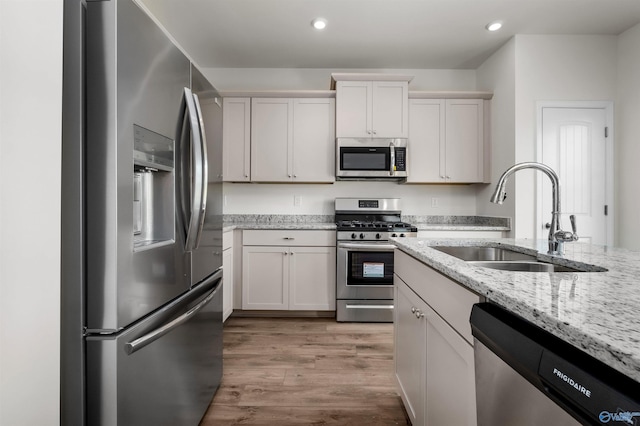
x=320 y=79
x=627 y=139
x=30 y=143
x=497 y=74
x=246 y=198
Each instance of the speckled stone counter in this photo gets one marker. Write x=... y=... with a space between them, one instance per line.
x=459 y=223
x=302 y=222
x=423 y=223
x=598 y=312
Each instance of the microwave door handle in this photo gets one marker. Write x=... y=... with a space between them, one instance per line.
x=392 y=159
x=196 y=217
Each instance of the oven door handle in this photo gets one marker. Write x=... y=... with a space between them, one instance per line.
x=365 y=246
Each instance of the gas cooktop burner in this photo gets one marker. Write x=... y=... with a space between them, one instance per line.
x=351 y=224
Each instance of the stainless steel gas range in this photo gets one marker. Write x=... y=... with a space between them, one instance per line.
x=364 y=282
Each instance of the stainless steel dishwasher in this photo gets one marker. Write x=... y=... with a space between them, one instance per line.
x=527 y=376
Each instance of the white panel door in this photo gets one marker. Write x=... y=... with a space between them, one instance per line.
x=236 y=139
x=426 y=140
x=265 y=278
x=464 y=156
x=353 y=109
x=312 y=278
x=574 y=145
x=390 y=109
x=410 y=342
x=450 y=378
x=271 y=139
x=314 y=152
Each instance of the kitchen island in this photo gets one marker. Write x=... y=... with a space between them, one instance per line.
x=594 y=311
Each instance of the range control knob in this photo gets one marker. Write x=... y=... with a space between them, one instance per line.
x=353 y=236
x=377 y=236
x=402 y=235
x=394 y=235
x=362 y=236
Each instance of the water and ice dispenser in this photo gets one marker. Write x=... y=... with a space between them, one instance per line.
x=153 y=189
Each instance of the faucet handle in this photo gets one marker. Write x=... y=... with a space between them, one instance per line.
x=574 y=228
x=567 y=236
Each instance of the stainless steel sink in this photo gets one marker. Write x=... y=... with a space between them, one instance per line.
x=479 y=253
x=508 y=260
x=524 y=266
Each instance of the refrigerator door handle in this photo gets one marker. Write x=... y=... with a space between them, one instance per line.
x=198 y=188
x=204 y=168
x=141 y=342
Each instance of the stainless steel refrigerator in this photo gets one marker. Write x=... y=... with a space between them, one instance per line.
x=142 y=216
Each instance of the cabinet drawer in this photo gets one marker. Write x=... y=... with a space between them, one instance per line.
x=283 y=237
x=449 y=299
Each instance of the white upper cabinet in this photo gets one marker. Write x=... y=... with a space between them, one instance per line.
x=447 y=141
x=314 y=151
x=236 y=139
x=372 y=109
x=292 y=140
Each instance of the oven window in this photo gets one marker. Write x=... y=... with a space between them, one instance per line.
x=364 y=158
x=370 y=267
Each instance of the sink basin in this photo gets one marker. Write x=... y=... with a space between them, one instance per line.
x=506 y=259
x=479 y=253
x=524 y=266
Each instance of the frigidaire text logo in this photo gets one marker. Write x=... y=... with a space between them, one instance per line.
x=572 y=383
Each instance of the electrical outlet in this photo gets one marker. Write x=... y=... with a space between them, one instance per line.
x=435 y=203
x=297 y=200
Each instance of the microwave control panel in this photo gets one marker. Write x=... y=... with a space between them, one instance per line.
x=401 y=159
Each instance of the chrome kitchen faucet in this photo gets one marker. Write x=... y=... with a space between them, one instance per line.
x=556 y=236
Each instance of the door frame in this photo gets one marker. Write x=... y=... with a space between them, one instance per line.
x=607 y=106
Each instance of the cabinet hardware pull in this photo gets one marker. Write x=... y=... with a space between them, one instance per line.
x=413 y=309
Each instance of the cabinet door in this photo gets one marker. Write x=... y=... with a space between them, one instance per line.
x=450 y=378
x=426 y=140
x=353 y=109
x=271 y=139
x=265 y=282
x=410 y=350
x=312 y=278
x=314 y=140
x=227 y=283
x=464 y=134
x=236 y=139
x=390 y=109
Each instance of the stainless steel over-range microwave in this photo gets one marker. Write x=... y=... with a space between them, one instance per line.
x=371 y=158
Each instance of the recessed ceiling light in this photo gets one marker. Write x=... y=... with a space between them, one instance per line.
x=494 y=26
x=319 y=23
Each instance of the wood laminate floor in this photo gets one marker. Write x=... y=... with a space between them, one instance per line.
x=306 y=371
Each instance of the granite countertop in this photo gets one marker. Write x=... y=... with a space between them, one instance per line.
x=597 y=312
x=301 y=222
x=327 y=222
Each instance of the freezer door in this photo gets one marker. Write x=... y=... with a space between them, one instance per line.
x=163 y=370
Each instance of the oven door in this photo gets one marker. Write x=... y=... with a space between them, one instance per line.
x=364 y=270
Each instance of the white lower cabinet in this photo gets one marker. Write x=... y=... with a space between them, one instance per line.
x=279 y=275
x=410 y=343
x=227 y=281
x=434 y=364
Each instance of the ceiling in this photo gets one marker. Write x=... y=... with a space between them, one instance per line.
x=376 y=34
